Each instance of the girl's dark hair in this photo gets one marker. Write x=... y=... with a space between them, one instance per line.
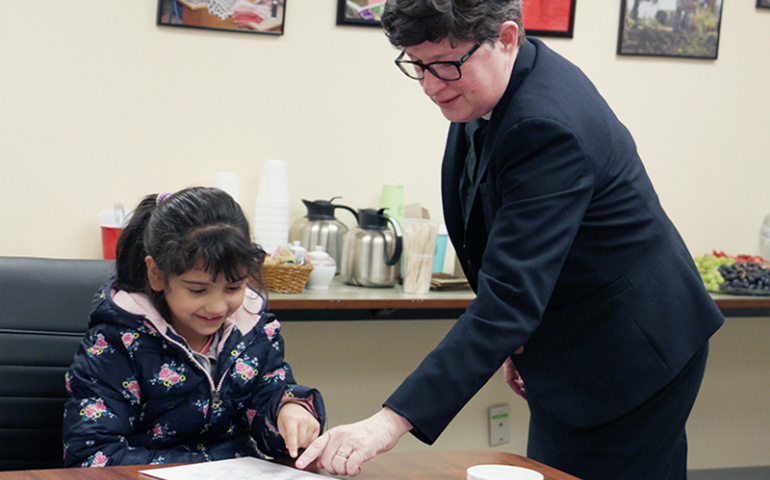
x=412 y=22
x=195 y=227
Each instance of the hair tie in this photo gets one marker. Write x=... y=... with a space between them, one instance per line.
x=161 y=197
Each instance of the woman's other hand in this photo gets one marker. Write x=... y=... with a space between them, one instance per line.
x=513 y=379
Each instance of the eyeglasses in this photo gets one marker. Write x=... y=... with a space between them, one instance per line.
x=448 y=71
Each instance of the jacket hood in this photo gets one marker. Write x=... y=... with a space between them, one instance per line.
x=130 y=309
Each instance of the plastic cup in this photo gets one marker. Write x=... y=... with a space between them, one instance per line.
x=273 y=203
x=260 y=217
x=274 y=181
x=440 y=252
x=392 y=200
x=110 y=241
x=228 y=182
x=419 y=246
x=111 y=223
x=270 y=240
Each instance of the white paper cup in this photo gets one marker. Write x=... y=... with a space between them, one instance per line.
x=274 y=181
x=272 y=203
x=502 y=472
x=260 y=217
x=270 y=239
x=272 y=235
x=228 y=182
x=272 y=213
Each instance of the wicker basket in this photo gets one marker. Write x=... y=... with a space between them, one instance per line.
x=286 y=278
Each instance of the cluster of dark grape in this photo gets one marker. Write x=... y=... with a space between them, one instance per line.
x=749 y=277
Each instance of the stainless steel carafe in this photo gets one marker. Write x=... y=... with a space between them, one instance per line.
x=320 y=228
x=371 y=251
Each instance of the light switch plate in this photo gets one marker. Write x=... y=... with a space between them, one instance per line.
x=499 y=425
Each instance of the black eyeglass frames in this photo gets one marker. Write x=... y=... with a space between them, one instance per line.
x=448 y=71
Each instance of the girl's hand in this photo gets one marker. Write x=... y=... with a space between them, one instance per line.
x=297 y=426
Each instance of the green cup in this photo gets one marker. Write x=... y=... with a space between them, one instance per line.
x=392 y=200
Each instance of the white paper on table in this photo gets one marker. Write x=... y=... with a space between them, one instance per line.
x=244 y=468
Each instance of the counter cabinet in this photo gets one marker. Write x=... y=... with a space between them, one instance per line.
x=347 y=302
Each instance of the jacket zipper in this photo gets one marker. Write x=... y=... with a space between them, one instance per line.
x=215 y=394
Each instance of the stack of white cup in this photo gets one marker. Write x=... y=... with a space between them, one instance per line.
x=228 y=182
x=271 y=212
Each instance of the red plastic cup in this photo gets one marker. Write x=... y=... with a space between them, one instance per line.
x=110 y=241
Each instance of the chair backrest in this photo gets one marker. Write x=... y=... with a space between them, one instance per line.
x=44 y=306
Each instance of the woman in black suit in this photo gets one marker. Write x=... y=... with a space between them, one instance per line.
x=585 y=290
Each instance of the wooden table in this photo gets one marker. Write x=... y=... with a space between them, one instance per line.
x=347 y=302
x=450 y=465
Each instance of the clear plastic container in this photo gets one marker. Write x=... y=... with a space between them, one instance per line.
x=764 y=239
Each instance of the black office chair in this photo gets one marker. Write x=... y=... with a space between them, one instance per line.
x=44 y=306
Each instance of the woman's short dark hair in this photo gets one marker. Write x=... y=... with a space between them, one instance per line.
x=194 y=228
x=412 y=22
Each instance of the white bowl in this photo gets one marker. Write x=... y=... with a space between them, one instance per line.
x=502 y=472
x=320 y=277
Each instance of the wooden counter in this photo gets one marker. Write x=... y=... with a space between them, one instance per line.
x=742 y=305
x=347 y=302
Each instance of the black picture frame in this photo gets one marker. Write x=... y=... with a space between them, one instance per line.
x=261 y=16
x=359 y=13
x=688 y=32
x=549 y=18
x=763 y=3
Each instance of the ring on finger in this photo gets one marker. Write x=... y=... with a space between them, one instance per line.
x=343 y=455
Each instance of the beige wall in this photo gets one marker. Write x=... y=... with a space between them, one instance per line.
x=98 y=106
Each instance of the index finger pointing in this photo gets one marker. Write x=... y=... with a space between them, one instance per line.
x=313 y=451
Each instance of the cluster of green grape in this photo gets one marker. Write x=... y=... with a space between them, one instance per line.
x=708 y=266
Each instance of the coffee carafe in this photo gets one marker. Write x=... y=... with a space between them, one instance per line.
x=371 y=252
x=320 y=228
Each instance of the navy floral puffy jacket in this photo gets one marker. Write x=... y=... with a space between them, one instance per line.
x=137 y=395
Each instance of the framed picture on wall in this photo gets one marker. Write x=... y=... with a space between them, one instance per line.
x=360 y=12
x=248 y=16
x=763 y=3
x=549 y=18
x=670 y=28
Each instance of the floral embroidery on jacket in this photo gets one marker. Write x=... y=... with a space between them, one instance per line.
x=250 y=414
x=170 y=375
x=99 y=346
x=98 y=459
x=246 y=368
x=128 y=337
x=162 y=432
x=203 y=406
x=131 y=390
x=276 y=375
x=94 y=409
x=271 y=328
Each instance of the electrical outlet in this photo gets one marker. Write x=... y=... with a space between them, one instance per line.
x=499 y=425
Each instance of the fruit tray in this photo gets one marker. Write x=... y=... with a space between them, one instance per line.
x=745 y=291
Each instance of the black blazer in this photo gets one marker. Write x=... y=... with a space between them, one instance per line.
x=571 y=256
